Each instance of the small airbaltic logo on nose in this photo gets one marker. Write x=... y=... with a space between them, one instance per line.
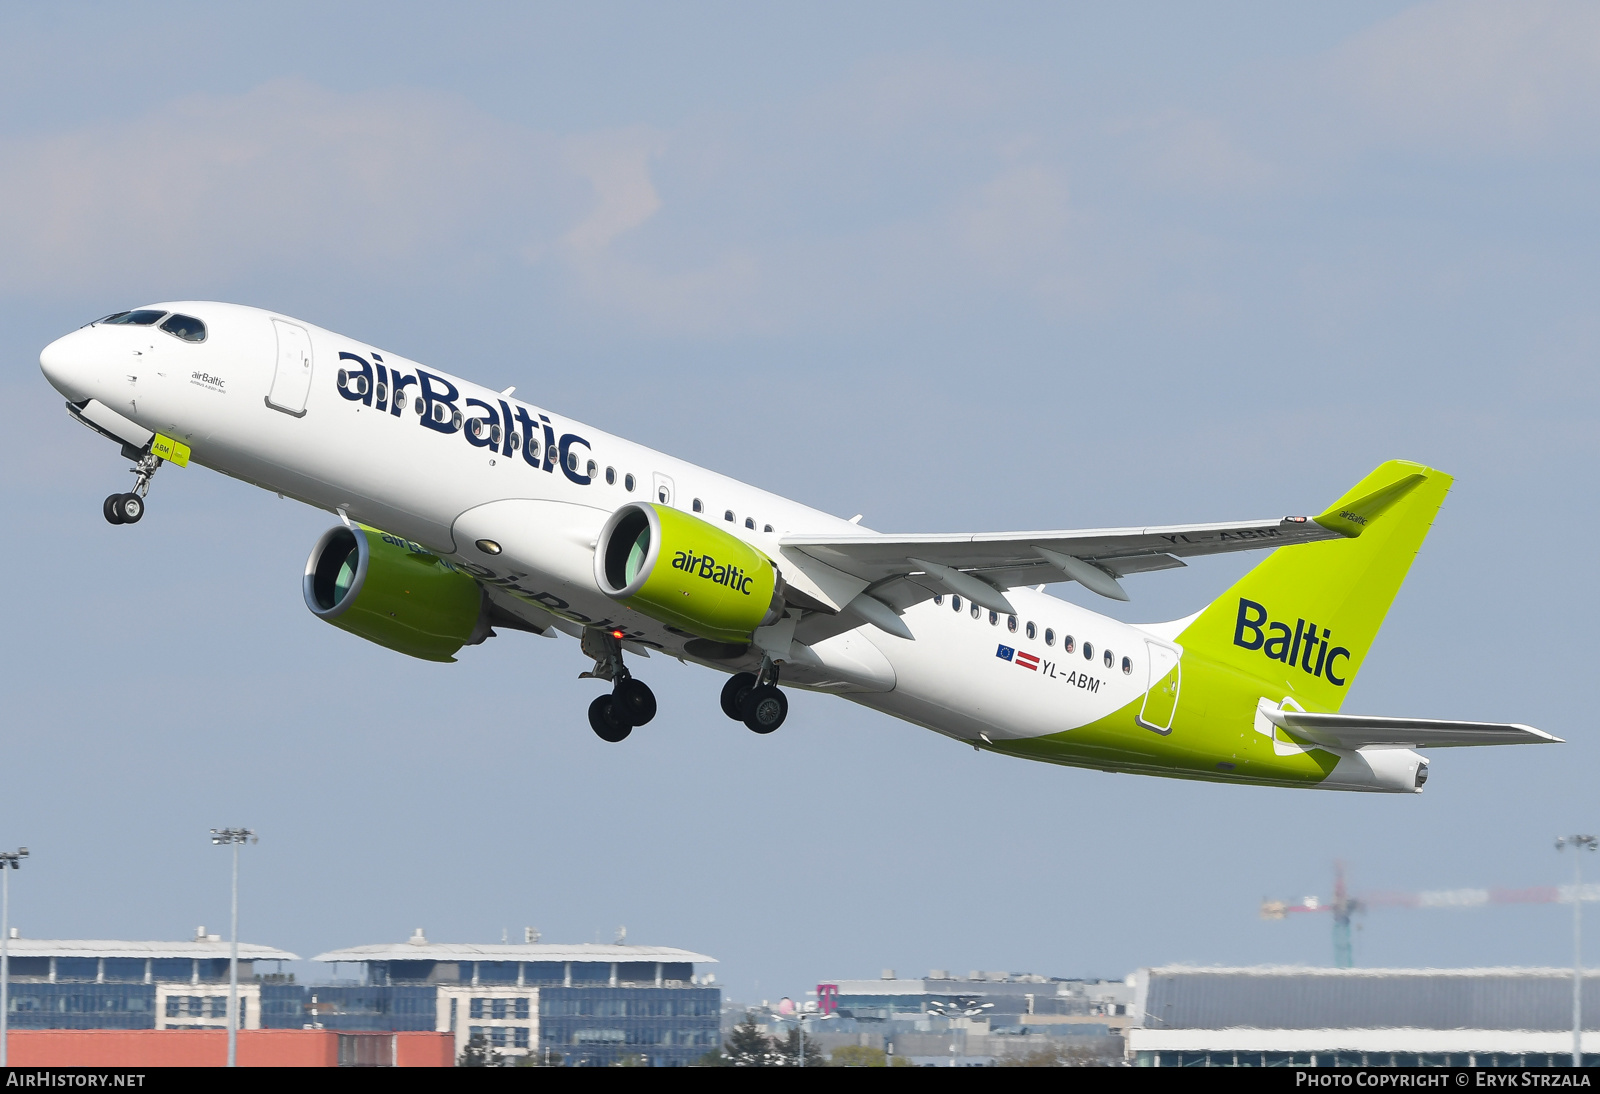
x=1302 y=647
x=706 y=566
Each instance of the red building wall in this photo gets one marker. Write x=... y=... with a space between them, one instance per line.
x=208 y=1048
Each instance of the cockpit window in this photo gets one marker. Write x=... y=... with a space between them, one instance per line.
x=135 y=318
x=109 y=318
x=186 y=327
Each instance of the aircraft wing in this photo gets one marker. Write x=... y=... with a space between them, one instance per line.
x=1351 y=731
x=1002 y=560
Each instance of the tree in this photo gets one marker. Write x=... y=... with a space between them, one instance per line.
x=749 y=1047
x=478 y=1053
x=787 y=1050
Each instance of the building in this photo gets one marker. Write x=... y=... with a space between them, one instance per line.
x=949 y=1020
x=591 y=1004
x=101 y=984
x=1283 y=1017
x=587 y=1004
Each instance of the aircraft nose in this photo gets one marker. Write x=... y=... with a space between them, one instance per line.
x=69 y=364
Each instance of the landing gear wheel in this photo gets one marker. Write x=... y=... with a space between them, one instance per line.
x=113 y=509
x=765 y=708
x=733 y=693
x=131 y=507
x=635 y=700
x=604 y=721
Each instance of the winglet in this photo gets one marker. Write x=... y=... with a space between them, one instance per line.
x=1350 y=516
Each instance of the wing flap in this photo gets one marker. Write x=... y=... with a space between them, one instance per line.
x=1352 y=731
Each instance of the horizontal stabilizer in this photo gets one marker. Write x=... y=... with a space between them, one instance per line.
x=1352 y=731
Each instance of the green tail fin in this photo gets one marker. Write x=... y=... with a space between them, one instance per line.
x=1303 y=620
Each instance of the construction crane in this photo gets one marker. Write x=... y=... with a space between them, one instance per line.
x=1343 y=906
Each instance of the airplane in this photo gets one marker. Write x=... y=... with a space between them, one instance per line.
x=464 y=510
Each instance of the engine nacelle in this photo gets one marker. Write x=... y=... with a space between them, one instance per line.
x=391 y=591
x=687 y=573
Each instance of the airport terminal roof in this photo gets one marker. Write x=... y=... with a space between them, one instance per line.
x=101 y=947
x=1280 y=997
x=422 y=950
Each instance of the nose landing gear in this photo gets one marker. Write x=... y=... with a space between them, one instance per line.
x=754 y=698
x=631 y=702
x=128 y=508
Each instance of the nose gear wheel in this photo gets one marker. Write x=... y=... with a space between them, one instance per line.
x=129 y=508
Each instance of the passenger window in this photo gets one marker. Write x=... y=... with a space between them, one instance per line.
x=136 y=318
x=662 y=495
x=186 y=327
x=750 y=523
x=611 y=476
x=591 y=468
x=1088 y=651
x=1109 y=660
x=494 y=430
x=1033 y=632
x=698 y=506
x=955 y=603
x=727 y=515
x=572 y=461
x=627 y=483
x=1011 y=624
x=938 y=598
x=994 y=617
x=1127 y=666
x=766 y=527
x=975 y=612
x=1067 y=644
x=516 y=440
x=1049 y=636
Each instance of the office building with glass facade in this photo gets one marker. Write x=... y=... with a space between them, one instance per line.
x=103 y=984
x=589 y=1004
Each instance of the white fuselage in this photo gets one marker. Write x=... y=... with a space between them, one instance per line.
x=231 y=400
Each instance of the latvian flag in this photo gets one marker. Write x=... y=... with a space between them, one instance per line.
x=1027 y=660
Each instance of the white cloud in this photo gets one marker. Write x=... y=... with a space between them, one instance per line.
x=617 y=166
x=287 y=175
x=1479 y=74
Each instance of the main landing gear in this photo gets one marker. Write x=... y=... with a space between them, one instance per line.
x=754 y=698
x=128 y=508
x=631 y=702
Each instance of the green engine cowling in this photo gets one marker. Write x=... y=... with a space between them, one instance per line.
x=687 y=573
x=393 y=592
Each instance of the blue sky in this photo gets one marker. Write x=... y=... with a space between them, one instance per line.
x=953 y=267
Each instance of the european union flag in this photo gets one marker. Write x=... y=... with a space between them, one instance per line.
x=1004 y=653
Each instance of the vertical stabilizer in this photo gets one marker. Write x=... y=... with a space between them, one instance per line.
x=1303 y=620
